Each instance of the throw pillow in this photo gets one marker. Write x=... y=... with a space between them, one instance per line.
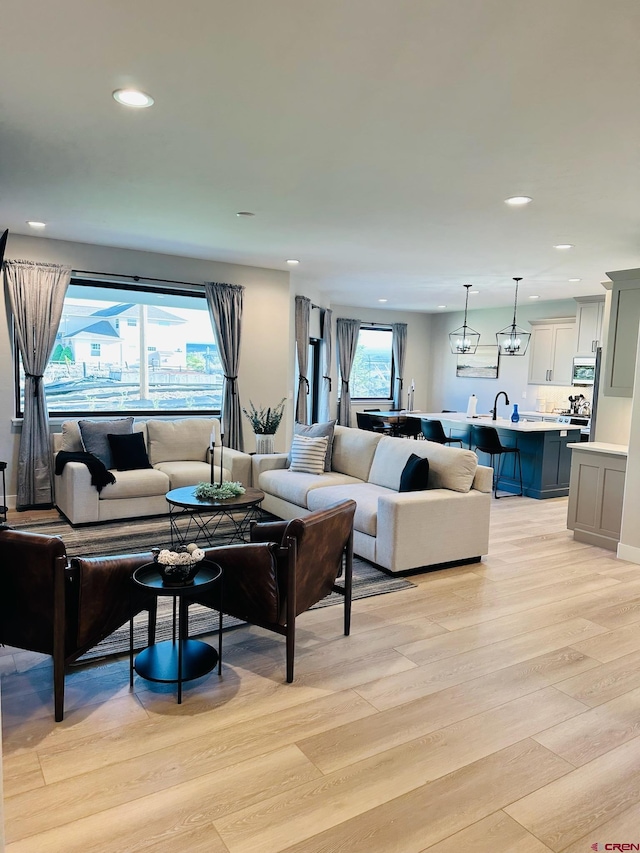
x=415 y=474
x=128 y=452
x=317 y=431
x=94 y=436
x=308 y=454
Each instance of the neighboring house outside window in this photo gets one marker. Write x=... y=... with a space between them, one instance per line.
x=95 y=366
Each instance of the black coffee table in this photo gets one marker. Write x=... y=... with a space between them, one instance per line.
x=179 y=659
x=195 y=520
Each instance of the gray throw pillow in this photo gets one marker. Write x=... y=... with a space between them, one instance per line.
x=94 y=436
x=318 y=431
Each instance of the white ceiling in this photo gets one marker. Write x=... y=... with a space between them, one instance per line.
x=375 y=140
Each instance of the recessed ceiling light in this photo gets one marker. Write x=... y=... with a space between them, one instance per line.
x=474 y=291
x=575 y=279
x=563 y=246
x=534 y=297
x=245 y=213
x=32 y=223
x=382 y=300
x=293 y=262
x=132 y=98
x=518 y=200
x=442 y=306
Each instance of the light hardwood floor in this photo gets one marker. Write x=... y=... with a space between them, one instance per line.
x=493 y=708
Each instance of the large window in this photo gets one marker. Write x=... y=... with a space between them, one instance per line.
x=372 y=372
x=96 y=364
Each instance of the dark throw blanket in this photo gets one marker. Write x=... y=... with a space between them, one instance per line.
x=100 y=476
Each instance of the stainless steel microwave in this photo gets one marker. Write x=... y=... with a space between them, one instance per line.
x=584 y=371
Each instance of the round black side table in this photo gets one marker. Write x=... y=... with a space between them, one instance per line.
x=176 y=661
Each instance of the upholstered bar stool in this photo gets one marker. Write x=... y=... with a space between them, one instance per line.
x=486 y=440
x=434 y=431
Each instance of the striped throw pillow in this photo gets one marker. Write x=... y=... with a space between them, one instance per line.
x=308 y=454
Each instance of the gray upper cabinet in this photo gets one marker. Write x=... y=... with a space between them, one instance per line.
x=622 y=337
x=553 y=345
x=589 y=318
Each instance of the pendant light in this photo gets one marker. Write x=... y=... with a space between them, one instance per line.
x=465 y=339
x=512 y=340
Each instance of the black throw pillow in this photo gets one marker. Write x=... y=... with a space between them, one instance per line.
x=415 y=474
x=128 y=451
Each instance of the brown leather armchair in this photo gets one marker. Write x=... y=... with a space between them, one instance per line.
x=50 y=606
x=286 y=568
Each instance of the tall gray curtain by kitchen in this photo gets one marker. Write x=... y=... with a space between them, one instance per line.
x=225 y=310
x=36 y=295
x=398 y=350
x=324 y=407
x=303 y=312
x=347 y=341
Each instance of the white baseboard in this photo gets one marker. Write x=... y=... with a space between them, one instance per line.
x=628 y=552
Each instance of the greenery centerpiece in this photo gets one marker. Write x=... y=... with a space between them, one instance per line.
x=265 y=422
x=218 y=491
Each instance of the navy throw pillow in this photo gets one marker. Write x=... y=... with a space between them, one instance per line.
x=128 y=451
x=415 y=474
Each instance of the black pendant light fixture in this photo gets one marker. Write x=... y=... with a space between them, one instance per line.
x=464 y=339
x=512 y=340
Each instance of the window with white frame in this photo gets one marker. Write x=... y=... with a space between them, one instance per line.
x=95 y=366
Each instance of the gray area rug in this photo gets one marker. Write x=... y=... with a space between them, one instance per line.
x=132 y=536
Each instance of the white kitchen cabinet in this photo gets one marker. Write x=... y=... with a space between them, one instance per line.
x=553 y=345
x=622 y=336
x=589 y=317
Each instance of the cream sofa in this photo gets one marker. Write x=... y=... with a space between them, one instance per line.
x=178 y=452
x=400 y=531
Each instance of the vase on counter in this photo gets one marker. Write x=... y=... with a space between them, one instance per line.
x=515 y=417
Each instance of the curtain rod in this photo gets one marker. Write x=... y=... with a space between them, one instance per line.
x=138 y=277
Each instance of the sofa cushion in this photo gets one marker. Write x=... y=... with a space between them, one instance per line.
x=184 y=439
x=190 y=473
x=294 y=486
x=94 y=436
x=308 y=454
x=364 y=494
x=449 y=467
x=415 y=474
x=353 y=451
x=145 y=483
x=316 y=431
x=128 y=452
x=71 y=439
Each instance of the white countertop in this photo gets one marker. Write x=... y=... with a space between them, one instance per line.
x=601 y=447
x=499 y=423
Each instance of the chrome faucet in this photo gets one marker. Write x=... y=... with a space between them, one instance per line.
x=494 y=411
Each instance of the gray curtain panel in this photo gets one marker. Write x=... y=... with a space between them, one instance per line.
x=324 y=413
x=303 y=312
x=225 y=309
x=398 y=351
x=36 y=295
x=347 y=341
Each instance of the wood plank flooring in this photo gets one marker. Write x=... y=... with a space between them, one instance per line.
x=493 y=708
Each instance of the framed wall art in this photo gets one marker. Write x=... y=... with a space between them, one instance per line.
x=482 y=364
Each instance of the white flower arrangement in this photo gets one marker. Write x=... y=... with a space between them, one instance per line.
x=191 y=555
x=219 y=491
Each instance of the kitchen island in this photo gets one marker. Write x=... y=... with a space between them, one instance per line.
x=545 y=456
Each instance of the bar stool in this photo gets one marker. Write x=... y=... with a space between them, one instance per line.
x=486 y=440
x=434 y=431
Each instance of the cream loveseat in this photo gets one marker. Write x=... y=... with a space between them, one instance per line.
x=400 y=531
x=178 y=453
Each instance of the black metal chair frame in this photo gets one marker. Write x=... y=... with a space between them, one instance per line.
x=494 y=447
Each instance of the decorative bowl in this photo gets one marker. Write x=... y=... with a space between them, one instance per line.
x=178 y=568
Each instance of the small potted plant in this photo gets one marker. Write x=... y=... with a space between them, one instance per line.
x=265 y=422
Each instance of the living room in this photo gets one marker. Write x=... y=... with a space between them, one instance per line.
x=491 y=706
